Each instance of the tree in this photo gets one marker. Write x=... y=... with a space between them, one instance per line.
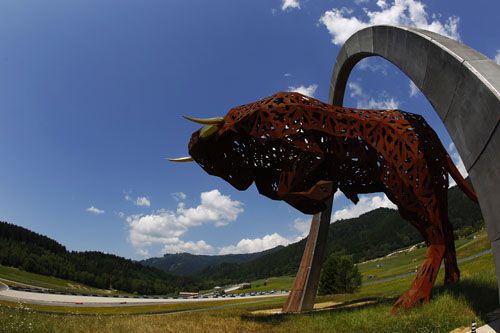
x=339 y=276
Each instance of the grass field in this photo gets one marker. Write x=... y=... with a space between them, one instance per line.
x=406 y=262
x=16 y=277
x=451 y=307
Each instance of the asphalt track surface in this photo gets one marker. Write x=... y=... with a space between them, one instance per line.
x=100 y=301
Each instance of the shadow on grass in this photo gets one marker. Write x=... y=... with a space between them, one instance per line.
x=481 y=295
x=278 y=318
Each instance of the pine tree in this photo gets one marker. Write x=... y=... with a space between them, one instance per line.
x=339 y=276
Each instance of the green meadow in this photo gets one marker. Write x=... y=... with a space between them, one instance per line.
x=369 y=310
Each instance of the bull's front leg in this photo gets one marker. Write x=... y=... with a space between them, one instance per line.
x=309 y=201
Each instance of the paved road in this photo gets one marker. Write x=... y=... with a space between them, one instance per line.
x=66 y=300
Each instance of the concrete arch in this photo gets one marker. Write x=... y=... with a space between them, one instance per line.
x=462 y=85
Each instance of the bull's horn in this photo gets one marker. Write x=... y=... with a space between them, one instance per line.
x=181 y=159
x=206 y=121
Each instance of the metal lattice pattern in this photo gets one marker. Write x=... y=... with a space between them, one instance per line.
x=301 y=150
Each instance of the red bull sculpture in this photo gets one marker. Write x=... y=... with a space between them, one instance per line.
x=300 y=150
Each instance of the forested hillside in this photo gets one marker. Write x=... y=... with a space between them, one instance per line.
x=20 y=247
x=369 y=236
x=190 y=264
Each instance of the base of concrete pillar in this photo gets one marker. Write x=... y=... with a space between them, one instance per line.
x=495 y=248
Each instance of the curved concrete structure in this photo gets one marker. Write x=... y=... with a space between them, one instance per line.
x=462 y=85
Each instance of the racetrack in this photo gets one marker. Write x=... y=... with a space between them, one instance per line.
x=101 y=301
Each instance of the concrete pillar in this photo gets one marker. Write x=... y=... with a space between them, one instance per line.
x=462 y=85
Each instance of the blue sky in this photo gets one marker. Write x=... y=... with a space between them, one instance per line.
x=91 y=94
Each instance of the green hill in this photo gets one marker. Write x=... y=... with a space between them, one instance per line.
x=190 y=264
x=371 y=235
x=20 y=247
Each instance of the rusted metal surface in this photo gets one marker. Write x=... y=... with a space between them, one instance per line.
x=301 y=150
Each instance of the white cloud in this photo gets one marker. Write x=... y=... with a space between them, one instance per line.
x=452 y=150
x=497 y=57
x=383 y=103
x=290 y=4
x=287 y=74
x=199 y=247
x=366 y=203
x=257 y=244
x=308 y=91
x=179 y=196
x=341 y=23
x=166 y=227
x=364 y=101
x=413 y=89
x=215 y=207
x=302 y=225
x=355 y=89
x=374 y=64
x=95 y=210
x=142 y=201
x=360 y=2
x=127 y=197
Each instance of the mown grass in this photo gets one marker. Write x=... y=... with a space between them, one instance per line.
x=409 y=261
x=18 y=277
x=140 y=309
x=451 y=307
x=276 y=283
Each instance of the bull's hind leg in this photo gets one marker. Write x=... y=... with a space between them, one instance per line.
x=421 y=287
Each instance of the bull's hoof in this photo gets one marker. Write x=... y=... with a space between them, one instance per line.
x=452 y=278
x=408 y=300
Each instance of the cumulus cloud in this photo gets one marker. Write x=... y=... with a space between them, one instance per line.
x=364 y=101
x=355 y=89
x=366 y=203
x=179 y=196
x=302 y=226
x=308 y=91
x=413 y=89
x=290 y=4
x=341 y=23
x=199 y=247
x=256 y=245
x=95 y=210
x=383 y=103
x=142 y=201
x=452 y=150
x=374 y=64
x=165 y=227
x=497 y=57
x=215 y=207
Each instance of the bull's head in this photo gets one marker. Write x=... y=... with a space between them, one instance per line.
x=265 y=142
x=213 y=148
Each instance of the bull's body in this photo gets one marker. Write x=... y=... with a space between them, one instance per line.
x=301 y=150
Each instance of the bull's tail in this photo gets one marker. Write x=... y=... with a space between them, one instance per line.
x=461 y=182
